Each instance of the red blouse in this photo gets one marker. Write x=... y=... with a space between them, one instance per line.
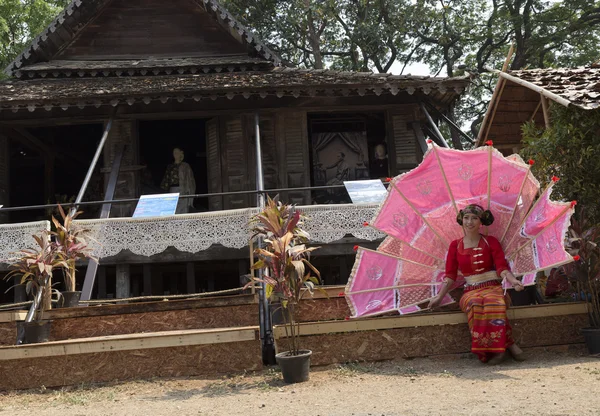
x=487 y=256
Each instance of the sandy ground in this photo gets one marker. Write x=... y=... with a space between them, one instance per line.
x=549 y=383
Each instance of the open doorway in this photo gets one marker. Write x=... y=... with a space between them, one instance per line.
x=50 y=168
x=346 y=147
x=157 y=140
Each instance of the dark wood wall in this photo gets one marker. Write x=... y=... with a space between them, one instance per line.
x=158 y=28
x=4 y=177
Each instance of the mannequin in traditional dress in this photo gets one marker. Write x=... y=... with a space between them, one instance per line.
x=180 y=178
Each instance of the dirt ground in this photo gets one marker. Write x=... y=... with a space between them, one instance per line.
x=557 y=382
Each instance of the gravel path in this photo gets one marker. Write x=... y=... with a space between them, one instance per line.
x=549 y=383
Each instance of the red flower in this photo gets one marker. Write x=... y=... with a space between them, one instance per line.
x=555 y=179
x=388 y=179
x=576 y=258
x=347 y=318
x=341 y=294
x=573 y=203
x=429 y=141
x=355 y=248
x=489 y=143
x=365 y=224
x=531 y=162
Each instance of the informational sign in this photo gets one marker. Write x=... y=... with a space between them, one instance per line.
x=159 y=205
x=366 y=192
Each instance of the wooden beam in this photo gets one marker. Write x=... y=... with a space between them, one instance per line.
x=129 y=342
x=495 y=100
x=546 y=110
x=427 y=319
x=537 y=107
x=12 y=316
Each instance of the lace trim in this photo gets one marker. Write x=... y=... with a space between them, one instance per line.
x=15 y=237
x=196 y=232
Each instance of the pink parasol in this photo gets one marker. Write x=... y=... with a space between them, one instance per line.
x=419 y=218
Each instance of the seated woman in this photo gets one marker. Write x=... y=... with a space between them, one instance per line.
x=481 y=261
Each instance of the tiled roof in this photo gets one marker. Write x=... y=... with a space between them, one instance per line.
x=581 y=86
x=59 y=92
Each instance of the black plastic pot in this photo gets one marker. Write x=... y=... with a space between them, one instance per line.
x=592 y=339
x=69 y=299
x=523 y=298
x=295 y=368
x=35 y=332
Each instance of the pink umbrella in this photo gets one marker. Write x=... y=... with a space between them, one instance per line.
x=419 y=218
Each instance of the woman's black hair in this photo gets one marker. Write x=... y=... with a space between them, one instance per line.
x=486 y=217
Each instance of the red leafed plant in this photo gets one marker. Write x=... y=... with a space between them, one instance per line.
x=35 y=266
x=70 y=245
x=285 y=259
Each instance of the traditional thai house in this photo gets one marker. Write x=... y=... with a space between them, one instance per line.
x=526 y=95
x=124 y=82
x=156 y=75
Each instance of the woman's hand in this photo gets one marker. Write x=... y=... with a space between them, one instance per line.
x=516 y=284
x=435 y=302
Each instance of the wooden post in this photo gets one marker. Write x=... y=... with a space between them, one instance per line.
x=546 y=109
x=102 y=282
x=190 y=274
x=123 y=281
x=147 y=287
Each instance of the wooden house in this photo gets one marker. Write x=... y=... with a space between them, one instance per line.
x=526 y=95
x=187 y=74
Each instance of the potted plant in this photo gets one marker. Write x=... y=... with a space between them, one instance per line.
x=35 y=267
x=288 y=275
x=70 y=247
x=584 y=274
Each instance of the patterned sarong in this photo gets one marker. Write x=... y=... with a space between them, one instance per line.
x=486 y=311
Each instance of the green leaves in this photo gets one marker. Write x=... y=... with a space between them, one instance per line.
x=570 y=150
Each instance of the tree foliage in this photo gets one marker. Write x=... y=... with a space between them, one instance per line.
x=392 y=35
x=20 y=21
x=569 y=149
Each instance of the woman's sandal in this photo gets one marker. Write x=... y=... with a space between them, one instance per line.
x=518 y=357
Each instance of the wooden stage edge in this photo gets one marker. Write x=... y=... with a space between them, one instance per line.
x=428 y=319
x=129 y=342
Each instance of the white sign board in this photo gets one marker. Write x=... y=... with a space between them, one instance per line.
x=159 y=205
x=366 y=192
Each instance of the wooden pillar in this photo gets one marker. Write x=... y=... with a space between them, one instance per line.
x=101 y=282
x=123 y=281
x=147 y=287
x=546 y=109
x=128 y=185
x=190 y=277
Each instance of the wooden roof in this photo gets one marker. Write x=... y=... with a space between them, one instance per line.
x=130 y=30
x=83 y=92
x=517 y=100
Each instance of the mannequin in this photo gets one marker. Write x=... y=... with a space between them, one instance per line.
x=379 y=165
x=180 y=178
